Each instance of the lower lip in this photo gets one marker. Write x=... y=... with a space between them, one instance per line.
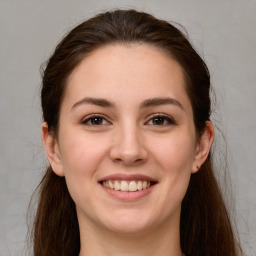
x=128 y=196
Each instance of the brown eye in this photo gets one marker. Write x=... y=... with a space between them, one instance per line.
x=161 y=120
x=158 y=120
x=95 y=121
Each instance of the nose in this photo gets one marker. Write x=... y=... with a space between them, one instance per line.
x=128 y=147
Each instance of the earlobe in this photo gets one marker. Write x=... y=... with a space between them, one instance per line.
x=52 y=150
x=203 y=147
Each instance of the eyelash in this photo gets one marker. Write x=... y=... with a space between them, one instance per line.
x=166 y=119
x=94 y=116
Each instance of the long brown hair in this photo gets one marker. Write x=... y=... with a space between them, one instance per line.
x=205 y=227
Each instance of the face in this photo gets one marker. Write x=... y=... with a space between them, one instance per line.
x=126 y=140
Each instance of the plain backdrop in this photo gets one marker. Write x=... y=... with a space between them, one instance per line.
x=223 y=32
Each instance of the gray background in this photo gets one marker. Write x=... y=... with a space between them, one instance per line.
x=222 y=31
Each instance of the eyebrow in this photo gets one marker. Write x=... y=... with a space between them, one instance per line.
x=94 y=101
x=161 y=101
x=147 y=103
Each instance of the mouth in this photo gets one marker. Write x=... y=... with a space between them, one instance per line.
x=127 y=185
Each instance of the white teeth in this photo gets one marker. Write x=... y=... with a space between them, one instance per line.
x=132 y=186
x=124 y=185
x=111 y=185
x=116 y=185
x=139 y=185
x=106 y=184
x=144 y=185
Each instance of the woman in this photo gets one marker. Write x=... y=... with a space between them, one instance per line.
x=127 y=133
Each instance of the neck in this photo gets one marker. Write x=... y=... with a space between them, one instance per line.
x=96 y=241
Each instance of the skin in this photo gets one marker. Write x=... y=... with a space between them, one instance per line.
x=128 y=139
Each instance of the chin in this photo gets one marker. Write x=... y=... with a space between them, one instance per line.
x=127 y=222
x=128 y=227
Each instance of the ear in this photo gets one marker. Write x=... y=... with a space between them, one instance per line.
x=203 y=146
x=52 y=150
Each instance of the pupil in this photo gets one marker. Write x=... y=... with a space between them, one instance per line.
x=96 y=121
x=158 y=120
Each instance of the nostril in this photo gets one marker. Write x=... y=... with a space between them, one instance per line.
x=131 y=161
x=128 y=152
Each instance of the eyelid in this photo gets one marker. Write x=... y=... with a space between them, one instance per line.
x=88 y=117
x=170 y=120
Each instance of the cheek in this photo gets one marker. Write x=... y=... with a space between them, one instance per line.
x=174 y=157
x=81 y=155
x=175 y=152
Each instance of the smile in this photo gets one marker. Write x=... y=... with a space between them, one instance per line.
x=124 y=185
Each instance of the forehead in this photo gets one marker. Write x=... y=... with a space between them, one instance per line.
x=129 y=72
x=131 y=56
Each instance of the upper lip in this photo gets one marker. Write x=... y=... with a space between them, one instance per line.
x=128 y=177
